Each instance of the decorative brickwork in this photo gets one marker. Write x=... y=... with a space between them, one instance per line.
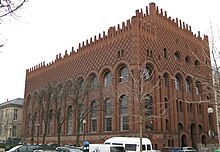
x=167 y=46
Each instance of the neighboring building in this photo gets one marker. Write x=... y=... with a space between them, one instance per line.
x=176 y=67
x=11 y=113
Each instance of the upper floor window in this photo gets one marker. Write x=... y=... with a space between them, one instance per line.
x=187 y=59
x=197 y=63
x=188 y=84
x=177 y=83
x=165 y=53
x=123 y=74
x=165 y=80
x=148 y=74
x=197 y=88
x=15 y=115
x=93 y=82
x=107 y=79
x=177 y=56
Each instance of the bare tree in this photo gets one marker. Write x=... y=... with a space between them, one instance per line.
x=8 y=8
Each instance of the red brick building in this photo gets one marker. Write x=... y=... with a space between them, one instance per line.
x=150 y=62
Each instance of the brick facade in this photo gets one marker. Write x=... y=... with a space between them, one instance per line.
x=180 y=65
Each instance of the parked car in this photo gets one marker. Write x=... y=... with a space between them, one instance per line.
x=176 y=149
x=188 y=149
x=24 y=148
x=68 y=149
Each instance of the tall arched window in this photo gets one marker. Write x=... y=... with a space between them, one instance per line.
x=123 y=74
x=177 y=82
x=28 y=124
x=124 y=113
x=108 y=79
x=69 y=120
x=35 y=123
x=93 y=116
x=108 y=115
x=148 y=108
x=42 y=123
x=188 y=84
x=93 y=82
x=50 y=122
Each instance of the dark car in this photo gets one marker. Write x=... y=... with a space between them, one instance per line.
x=68 y=149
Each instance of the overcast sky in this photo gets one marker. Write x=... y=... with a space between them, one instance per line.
x=48 y=27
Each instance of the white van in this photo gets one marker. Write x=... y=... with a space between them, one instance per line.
x=105 y=148
x=131 y=144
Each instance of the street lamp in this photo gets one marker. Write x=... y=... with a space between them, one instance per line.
x=38 y=125
x=84 y=129
x=211 y=132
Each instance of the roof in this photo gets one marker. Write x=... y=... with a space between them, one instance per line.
x=17 y=101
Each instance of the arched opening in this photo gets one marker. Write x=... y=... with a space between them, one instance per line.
x=204 y=140
x=183 y=141
x=193 y=134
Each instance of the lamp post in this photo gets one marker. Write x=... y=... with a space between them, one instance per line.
x=38 y=127
x=211 y=132
x=84 y=129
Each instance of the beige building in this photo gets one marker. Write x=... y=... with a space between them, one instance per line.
x=11 y=120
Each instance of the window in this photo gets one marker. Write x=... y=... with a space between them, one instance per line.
x=69 y=87
x=147 y=73
x=28 y=124
x=148 y=107
x=130 y=147
x=188 y=85
x=197 y=63
x=35 y=123
x=93 y=82
x=81 y=83
x=177 y=56
x=14 y=131
x=15 y=116
x=82 y=114
x=107 y=79
x=197 y=88
x=166 y=103
x=177 y=83
x=190 y=107
x=42 y=123
x=167 y=124
x=93 y=116
x=69 y=120
x=108 y=115
x=166 y=80
x=187 y=60
x=123 y=74
x=165 y=53
x=50 y=122
x=124 y=113
x=181 y=105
